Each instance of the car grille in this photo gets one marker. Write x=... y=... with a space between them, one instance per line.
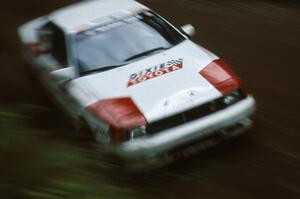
x=197 y=112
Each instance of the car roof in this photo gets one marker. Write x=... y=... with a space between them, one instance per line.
x=86 y=14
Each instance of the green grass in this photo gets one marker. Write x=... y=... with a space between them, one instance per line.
x=37 y=163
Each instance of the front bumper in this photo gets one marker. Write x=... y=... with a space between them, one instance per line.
x=202 y=128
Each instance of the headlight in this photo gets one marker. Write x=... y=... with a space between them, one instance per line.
x=137 y=132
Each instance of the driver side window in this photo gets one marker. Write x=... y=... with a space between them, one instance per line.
x=53 y=38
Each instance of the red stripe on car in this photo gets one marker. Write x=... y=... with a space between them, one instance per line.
x=221 y=76
x=36 y=49
x=121 y=114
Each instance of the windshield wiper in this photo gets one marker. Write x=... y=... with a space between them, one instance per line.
x=102 y=69
x=148 y=52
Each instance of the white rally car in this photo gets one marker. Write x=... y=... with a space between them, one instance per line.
x=144 y=88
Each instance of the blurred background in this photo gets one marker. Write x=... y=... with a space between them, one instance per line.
x=42 y=157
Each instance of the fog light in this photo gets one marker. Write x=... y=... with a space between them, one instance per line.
x=229 y=99
x=137 y=132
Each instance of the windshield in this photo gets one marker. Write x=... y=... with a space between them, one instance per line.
x=121 y=41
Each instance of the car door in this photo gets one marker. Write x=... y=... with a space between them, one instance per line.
x=59 y=73
x=48 y=57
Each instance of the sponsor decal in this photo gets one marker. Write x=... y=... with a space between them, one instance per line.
x=155 y=71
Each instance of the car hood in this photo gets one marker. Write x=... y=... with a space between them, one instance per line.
x=160 y=85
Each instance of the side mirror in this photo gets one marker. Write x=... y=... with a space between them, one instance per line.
x=64 y=75
x=188 y=30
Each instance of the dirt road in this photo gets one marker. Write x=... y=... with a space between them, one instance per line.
x=261 y=40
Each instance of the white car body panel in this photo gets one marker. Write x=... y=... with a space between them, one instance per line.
x=27 y=31
x=168 y=94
